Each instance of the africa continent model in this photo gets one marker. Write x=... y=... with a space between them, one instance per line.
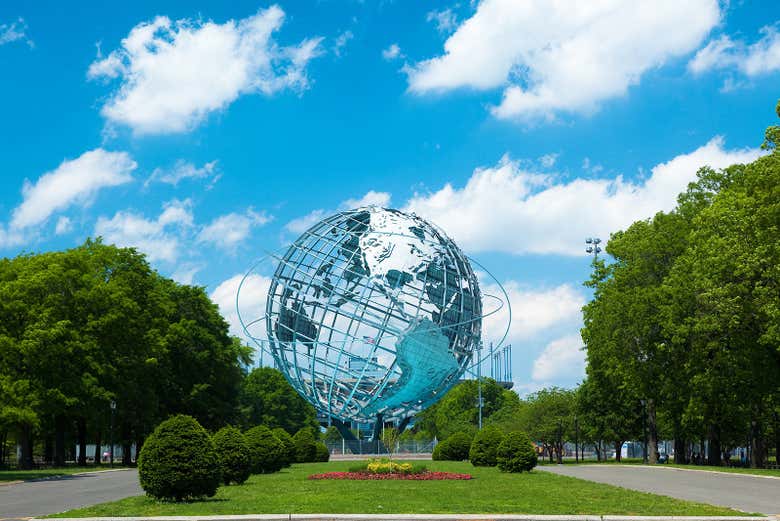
x=372 y=312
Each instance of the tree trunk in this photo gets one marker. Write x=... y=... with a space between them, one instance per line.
x=3 y=441
x=48 y=450
x=26 y=442
x=679 y=451
x=713 y=455
x=652 y=433
x=98 y=448
x=126 y=434
x=139 y=442
x=618 y=446
x=59 y=440
x=757 y=448
x=81 y=433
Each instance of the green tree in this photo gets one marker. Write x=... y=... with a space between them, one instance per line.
x=458 y=409
x=267 y=398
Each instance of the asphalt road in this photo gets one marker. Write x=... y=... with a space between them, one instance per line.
x=739 y=491
x=38 y=498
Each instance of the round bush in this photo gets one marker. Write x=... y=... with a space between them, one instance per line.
x=288 y=444
x=516 y=453
x=233 y=453
x=322 y=454
x=266 y=452
x=483 y=449
x=454 y=448
x=305 y=446
x=179 y=461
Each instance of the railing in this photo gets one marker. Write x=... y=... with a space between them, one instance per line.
x=377 y=447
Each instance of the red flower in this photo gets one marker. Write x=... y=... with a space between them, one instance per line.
x=424 y=476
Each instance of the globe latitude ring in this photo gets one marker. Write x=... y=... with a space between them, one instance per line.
x=370 y=313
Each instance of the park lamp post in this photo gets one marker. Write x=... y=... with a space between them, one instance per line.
x=480 y=403
x=593 y=247
x=644 y=430
x=111 y=430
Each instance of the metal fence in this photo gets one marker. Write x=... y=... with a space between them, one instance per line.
x=377 y=447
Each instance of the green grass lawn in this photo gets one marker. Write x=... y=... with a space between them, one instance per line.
x=490 y=492
x=25 y=475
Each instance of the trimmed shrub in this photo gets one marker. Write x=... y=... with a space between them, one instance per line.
x=233 y=453
x=516 y=453
x=288 y=444
x=179 y=461
x=305 y=446
x=483 y=449
x=266 y=452
x=322 y=454
x=454 y=448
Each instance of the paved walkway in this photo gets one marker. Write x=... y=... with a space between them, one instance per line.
x=740 y=491
x=39 y=498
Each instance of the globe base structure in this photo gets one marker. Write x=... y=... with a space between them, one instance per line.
x=372 y=314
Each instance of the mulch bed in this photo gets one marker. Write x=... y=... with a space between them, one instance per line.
x=422 y=476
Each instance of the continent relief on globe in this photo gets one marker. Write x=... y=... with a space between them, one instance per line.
x=423 y=354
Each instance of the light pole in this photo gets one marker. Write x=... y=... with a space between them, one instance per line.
x=644 y=431
x=479 y=382
x=576 y=440
x=111 y=435
x=593 y=247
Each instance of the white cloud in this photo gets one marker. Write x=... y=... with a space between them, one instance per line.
x=185 y=170
x=566 y=56
x=301 y=224
x=14 y=32
x=174 y=73
x=534 y=311
x=506 y=208
x=562 y=359
x=159 y=239
x=227 y=231
x=64 y=225
x=341 y=42
x=75 y=181
x=392 y=52
x=548 y=160
x=252 y=302
x=446 y=21
x=185 y=273
x=371 y=198
x=761 y=57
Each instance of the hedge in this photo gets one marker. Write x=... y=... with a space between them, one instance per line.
x=516 y=453
x=483 y=449
x=266 y=452
x=454 y=448
x=233 y=452
x=179 y=461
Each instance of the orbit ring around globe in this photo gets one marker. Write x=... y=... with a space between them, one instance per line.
x=371 y=313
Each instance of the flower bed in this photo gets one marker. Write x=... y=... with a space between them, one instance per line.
x=421 y=476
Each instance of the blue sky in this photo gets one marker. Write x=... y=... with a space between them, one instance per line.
x=208 y=133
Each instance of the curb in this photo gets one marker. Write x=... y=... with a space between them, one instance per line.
x=422 y=517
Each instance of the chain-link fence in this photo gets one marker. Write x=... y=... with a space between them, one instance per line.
x=343 y=447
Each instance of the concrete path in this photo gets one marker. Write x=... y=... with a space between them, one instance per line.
x=740 y=491
x=49 y=496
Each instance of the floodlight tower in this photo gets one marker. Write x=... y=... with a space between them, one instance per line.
x=593 y=247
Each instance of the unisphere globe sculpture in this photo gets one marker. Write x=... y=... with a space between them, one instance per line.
x=371 y=313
